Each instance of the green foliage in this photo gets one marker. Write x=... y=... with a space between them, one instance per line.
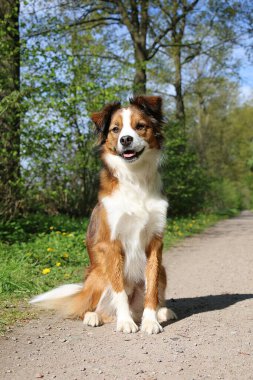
x=25 y=228
x=224 y=196
x=184 y=180
x=227 y=196
x=10 y=110
x=69 y=80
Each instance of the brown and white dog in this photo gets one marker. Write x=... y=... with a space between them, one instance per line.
x=124 y=237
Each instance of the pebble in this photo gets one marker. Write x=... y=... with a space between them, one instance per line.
x=39 y=375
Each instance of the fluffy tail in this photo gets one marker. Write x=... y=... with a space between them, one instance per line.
x=71 y=300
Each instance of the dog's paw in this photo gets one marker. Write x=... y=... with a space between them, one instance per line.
x=91 y=319
x=151 y=326
x=127 y=326
x=164 y=314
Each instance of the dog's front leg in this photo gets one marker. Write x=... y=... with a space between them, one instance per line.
x=150 y=323
x=115 y=270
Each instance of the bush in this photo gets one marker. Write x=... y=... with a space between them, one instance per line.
x=24 y=228
x=224 y=195
x=184 y=180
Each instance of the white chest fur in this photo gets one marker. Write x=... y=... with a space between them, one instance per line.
x=136 y=211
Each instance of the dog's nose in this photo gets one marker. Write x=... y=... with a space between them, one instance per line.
x=126 y=140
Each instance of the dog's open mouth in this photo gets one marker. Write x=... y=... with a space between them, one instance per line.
x=131 y=155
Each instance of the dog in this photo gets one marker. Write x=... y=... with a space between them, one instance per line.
x=125 y=235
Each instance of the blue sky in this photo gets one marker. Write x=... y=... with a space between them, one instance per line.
x=246 y=74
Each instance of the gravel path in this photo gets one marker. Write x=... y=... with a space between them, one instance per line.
x=211 y=290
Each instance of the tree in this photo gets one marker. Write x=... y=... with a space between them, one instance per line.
x=61 y=69
x=139 y=18
x=9 y=108
x=205 y=31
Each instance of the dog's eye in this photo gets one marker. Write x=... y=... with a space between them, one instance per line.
x=140 y=127
x=115 y=130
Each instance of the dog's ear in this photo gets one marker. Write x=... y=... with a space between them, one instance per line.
x=102 y=119
x=151 y=105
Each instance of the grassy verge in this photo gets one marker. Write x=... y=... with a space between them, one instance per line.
x=179 y=228
x=39 y=255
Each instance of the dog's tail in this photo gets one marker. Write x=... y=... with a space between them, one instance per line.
x=72 y=300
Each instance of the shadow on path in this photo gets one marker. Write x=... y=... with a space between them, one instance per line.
x=185 y=307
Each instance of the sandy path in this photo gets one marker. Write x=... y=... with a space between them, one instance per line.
x=211 y=287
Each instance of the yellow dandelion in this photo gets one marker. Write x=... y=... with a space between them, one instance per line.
x=70 y=235
x=51 y=228
x=64 y=234
x=46 y=270
x=65 y=255
x=190 y=225
x=58 y=264
x=58 y=232
x=50 y=249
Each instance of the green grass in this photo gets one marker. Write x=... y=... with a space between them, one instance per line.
x=40 y=253
x=179 y=228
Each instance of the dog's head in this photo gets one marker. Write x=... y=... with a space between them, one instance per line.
x=129 y=132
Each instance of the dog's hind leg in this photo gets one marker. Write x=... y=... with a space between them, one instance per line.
x=163 y=313
x=94 y=287
x=137 y=303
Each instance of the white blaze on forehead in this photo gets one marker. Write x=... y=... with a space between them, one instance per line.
x=127 y=130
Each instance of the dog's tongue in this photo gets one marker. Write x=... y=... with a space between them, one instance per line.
x=129 y=154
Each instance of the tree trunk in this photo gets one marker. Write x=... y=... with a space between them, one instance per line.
x=135 y=18
x=180 y=109
x=10 y=114
x=140 y=77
